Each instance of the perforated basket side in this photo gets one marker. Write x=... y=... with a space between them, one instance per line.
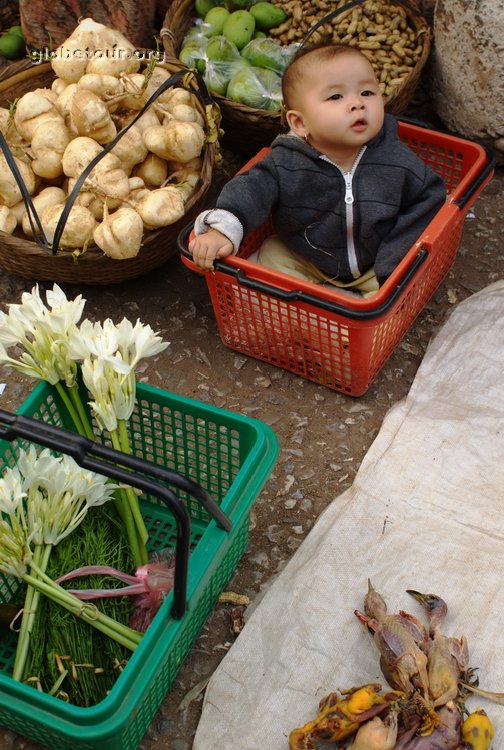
x=199 y=431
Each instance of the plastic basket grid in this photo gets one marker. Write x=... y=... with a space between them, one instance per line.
x=343 y=351
x=191 y=438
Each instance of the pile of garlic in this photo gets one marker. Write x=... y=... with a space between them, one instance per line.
x=54 y=133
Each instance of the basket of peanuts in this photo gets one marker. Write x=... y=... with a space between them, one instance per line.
x=242 y=47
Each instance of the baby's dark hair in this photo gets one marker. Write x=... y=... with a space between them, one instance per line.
x=317 y=53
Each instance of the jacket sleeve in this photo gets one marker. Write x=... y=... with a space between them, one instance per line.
x=244 y=202
x=251 y=195
x=416 y=214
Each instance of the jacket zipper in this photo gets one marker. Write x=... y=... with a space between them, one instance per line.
x=349 y=201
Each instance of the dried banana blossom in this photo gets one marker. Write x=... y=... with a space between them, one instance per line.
x=79 y=226
x=176 y=141
x=161 y=207
x=94 y=48
x=8 y=221
x=48 y=145
x=120 y=234
x=32 y=109
x=377 y=734
x=89 y=116
x=477 y=730
x=10 y=194
x=50 y=196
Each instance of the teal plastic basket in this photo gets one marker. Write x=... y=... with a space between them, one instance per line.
x=228 y=455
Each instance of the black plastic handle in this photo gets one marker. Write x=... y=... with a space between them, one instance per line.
x=296 y=295
x=115 y=464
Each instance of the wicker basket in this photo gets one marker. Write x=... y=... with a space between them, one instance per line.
x=23 y=257
x=246 y=128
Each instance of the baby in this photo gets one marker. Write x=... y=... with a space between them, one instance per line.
x=347 y=198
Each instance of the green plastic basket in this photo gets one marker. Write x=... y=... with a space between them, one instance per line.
x=228 y=455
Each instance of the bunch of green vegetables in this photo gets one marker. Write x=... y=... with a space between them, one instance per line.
x=45 y=499
x=229 y=44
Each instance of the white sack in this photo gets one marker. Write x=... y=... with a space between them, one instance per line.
x=426 y=511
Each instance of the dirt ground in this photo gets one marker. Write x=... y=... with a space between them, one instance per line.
x=322 y=434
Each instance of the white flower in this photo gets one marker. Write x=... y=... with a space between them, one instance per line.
x=12 y=491
x=43 y=499
x=64 y=314
x=59 y=502
x=138 y=342
x=43 y=335
x=94 y=340
x=14 y=553
x=106 y=340
x=112 y=386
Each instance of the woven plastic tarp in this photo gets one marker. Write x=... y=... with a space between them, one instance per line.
x=425 y=512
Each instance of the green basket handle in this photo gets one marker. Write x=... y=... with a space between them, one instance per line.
x=130 y=470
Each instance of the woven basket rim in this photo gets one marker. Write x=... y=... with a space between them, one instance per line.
x=176 y=22
x=24 y=257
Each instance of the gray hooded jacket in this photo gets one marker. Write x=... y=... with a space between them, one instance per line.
x=344 y=223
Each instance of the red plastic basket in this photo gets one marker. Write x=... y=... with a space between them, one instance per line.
x=320 y=333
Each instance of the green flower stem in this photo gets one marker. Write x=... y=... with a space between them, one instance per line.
x=135 y=505
x=122 y=634
x=135 y=526
x=77 y=401
x=63 y=393
x=41 y=558
x=124 y=511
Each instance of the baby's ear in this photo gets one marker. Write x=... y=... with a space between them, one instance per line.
x=283 y=115
x=294 y=120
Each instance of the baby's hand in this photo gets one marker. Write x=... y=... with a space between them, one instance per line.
x=205 y=248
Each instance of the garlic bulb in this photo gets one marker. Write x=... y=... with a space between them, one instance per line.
x=8 y=221
x=79 y=226
x=179 y=141
x=161 y=207
x=120 y=234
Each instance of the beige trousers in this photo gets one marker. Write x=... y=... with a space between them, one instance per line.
x=274 y=254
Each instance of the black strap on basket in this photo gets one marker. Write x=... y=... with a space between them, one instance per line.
x=130 y=470
x=176 y=79
x=349 y=6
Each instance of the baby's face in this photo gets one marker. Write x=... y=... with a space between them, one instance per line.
x=340 y=103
